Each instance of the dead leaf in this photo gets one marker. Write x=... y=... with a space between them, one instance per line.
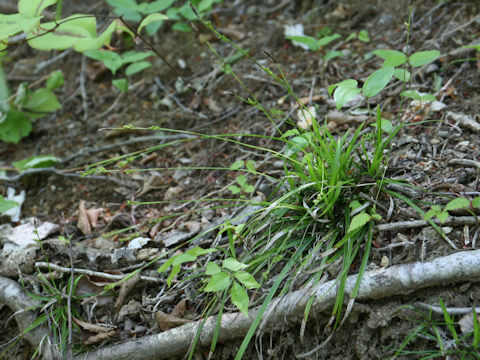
x=83 y=224
x=167 y=321
x=92 y=327
x=100 y=337
x=125 y=289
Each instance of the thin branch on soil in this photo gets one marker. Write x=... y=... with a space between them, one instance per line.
x=451 y=311
x=377 y=284
x=103 y=275
x=451 y=221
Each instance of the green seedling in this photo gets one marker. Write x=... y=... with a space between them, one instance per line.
x=455 y=204
x=232 y=277
x=347 y=89
x=241 y=179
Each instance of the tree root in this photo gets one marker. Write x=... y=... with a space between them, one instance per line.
x=288 y=310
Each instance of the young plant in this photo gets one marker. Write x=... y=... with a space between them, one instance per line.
x=454 y=204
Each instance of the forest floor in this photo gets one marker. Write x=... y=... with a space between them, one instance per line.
x=438 y=151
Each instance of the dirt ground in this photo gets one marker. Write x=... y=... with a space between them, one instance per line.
x=428 y=154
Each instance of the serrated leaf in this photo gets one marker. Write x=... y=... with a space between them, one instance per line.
x=39 y=161
x=55 y=80
x=247 y=280
x=212 y=268
x=41 y=100
x=218 y=282
x=391 y=57
x=377 y=81
x=423 y=57
x=233 y=265
x=155 y=17
x=358 y=221
x=239 y=298
x=458 y=203
x=442 y=216
x=137 y=67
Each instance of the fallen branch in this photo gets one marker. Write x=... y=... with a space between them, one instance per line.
x=395 y=280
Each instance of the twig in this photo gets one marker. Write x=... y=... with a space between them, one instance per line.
x=451 y=221
x=376 y=284
x=451 y=311
x=42 y=264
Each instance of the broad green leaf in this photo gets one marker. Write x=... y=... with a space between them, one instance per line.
x=158 y=5
x=423 y=57
x=15 y=23
x=239 y=298
x=241 y=180
x=311 y=42
x=205 y=5
x=137 y=67
x=324 y=41
x=121 y=84
x=181 y=26
x=198 y=251
x=32 y=8
x=250 y=165
x=55 y=80
x=212 y=268
x=391 y=57
x=402 y=75
x=358 y=221
x=429 y=214
x=295 y=145
x=237 y=165
x=218 y=282
x=175 y=270
x=333 y=54
x=40 y=161
x=6 y=205
x=442 y=216
x=41 y=100
x=110 y=59
x=476 y=202
x=415 y=95
x=376 y=217
x=165 y=265
x=347 y=90
x=247 y=280
x=183 y=258
x=354 y=204
x=187 y=12
x=458 y=203
x=233 y=265
x=150 y=19
x=14 y=125
x=77 y=31
x=129 y=4
x=234 y=189
x=363 y=36
x=248 y=188
x=133 y=56
x=386 y=125
x=377 y=81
